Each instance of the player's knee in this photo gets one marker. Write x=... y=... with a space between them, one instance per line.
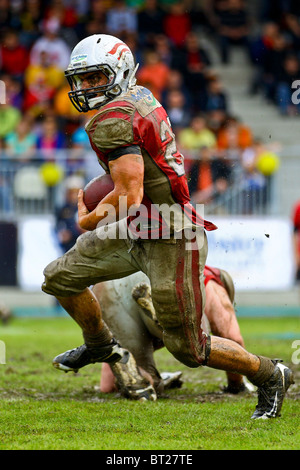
x=190 y=354
x=59 y=280
x=50 y=278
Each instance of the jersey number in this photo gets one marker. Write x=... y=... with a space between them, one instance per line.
x=167 y=135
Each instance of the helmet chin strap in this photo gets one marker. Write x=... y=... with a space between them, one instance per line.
x=111 y=94
x=95 y=101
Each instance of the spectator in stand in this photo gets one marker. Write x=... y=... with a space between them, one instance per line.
x=67 y=228
x=81 y=150
x=80 y=140
x=42 y=80
x=14 y=57
x=93 y=21
x=209 y=177
x=163 y=48
x=296 y=238
x=31 y=18
x=13 y=91
x=9 y=118
x=177 y=110
x=177 y=24
x=65 y=13
x=5 y=184
x=150 y=22
x=68 y=117
x=289 y=74
x=217 y=98
x=259 y=47
x=78 y=157
x=92 y=27
x=292 y=31
x=234 y=135
x=21 y=144
x=263 y=41
x=216 y=120
x=197 y=135
x=194 y=62
x=121 y=19
x=194 y=137
x=57 y=49
x=253 y=182
x=154 y=74
x=176 y=83
x=272 y=66
x=233 y=27
x=50 y=139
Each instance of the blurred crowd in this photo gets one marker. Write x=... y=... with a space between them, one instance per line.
x=167 y=38
x=275 y=54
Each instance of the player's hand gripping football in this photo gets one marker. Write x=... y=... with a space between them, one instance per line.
x=85 y=220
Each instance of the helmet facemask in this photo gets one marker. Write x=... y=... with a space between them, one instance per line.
x=85 y=99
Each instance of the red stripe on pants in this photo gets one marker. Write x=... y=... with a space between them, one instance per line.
x=194 y=338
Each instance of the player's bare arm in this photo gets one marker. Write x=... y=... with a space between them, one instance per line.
x=127 y=173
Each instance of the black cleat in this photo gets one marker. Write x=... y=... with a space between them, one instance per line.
x=130 y=382
x=75 y=359
x=272 y=392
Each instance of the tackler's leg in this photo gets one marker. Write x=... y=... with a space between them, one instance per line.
x=223 y=322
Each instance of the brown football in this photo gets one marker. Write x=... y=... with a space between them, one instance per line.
x=96 y=190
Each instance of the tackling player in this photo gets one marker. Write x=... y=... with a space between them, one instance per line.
x=133 y=140
x=136 y=326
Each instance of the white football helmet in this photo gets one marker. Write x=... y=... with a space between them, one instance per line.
x=105 y=53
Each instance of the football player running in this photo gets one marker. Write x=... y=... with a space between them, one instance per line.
x=133 y=140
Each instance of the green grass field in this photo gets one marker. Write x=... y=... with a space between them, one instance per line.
x=42 y=408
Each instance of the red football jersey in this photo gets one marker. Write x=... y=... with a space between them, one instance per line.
x=137 y=123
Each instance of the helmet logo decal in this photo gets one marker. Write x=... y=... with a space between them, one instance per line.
x=115 y=48
x=79 y=60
